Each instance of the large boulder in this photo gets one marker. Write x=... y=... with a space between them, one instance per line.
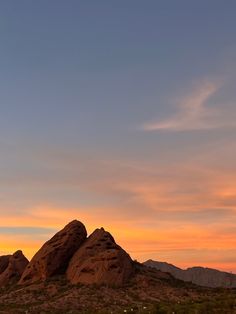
x=53 y=257
x=12 y=267
x=100 y=261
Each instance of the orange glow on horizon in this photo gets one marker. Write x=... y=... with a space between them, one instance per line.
x=165 y=242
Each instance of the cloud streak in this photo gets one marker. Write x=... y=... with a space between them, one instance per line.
x=162 y=207
x=193 y=112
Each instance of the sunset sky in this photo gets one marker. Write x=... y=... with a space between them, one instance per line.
x=120 y=114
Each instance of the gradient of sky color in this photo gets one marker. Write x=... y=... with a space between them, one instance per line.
x=121 y=114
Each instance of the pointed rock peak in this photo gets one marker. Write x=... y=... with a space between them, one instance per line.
x=53 y=257
x=72 y=229
x=14 y=266
x=74 y=223
x=101 y=261
x=18 y=254
x=101 y=234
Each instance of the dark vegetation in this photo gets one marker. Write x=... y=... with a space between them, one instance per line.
x=58 y=296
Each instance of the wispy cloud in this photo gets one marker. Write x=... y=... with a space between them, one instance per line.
x=191 y=196
x=194 y=112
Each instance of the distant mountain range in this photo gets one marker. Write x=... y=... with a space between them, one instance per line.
x=201 y=276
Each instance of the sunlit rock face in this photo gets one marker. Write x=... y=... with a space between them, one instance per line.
x=12 y=267
x=100 y=261
x=54 y=256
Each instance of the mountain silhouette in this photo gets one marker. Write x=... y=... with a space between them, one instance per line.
x=201 y=276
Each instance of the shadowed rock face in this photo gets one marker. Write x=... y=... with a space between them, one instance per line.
x=12 y=267
x=4 y=260
x=101 y=261
x=54 y=255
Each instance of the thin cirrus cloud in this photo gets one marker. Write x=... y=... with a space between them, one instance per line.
x=194 y=112
x=170 y=203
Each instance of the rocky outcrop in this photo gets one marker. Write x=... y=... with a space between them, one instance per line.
x=100 y=261
x=4 y=260
x=54 y=256
x=12 y=267
x=201 y=276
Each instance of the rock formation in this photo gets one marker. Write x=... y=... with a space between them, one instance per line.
x=4 y=260
x=201 y=276
x=101 y=261
x=12 y=267
x=55 y=254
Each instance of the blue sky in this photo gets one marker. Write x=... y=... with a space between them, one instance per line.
x=120 y=110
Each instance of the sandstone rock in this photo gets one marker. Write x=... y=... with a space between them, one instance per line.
x=101 y=261
x=14 y=266
x=4 y=260
x=53 y=257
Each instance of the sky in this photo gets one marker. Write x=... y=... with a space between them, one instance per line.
x=120 y=114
